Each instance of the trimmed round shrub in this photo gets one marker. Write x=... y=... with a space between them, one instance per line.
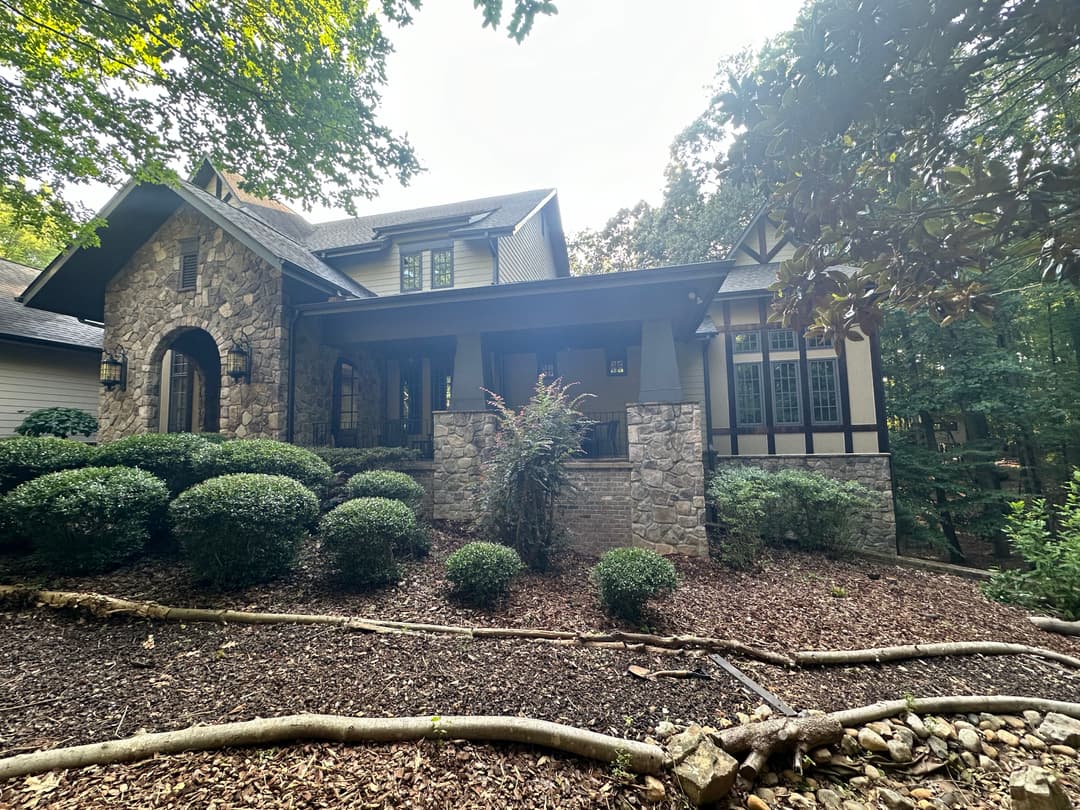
x=59 y=422
x=272 y=458
x=89 y=520
x=362 y=536
x=387 y=484
x=481 y=573
x=25 y=458
x=237 y=530
x=180 y=460
x=629 y=577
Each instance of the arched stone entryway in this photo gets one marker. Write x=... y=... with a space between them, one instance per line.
x=187 y=362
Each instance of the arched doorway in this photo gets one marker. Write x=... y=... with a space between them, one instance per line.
x=190 y=383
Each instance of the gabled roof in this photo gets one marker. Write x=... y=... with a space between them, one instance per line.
x=487 y=216
x=749 y=278
x=19 y=322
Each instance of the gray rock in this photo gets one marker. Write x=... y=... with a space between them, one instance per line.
x=706 y=773
x=894 y=801
x=1034 y=788
x=1032 y=718
x=915 y=723
x=906 y=734
x=851 y=804
x=849 y=745
x=899 y=751
x=872 y=741
x=987 y=764
x=1060 y=729
x=829 y=799
x=969 y=740
x=938 y=747
x=664 y=729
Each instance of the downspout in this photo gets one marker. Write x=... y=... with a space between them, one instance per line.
x=710 y=459
x=290 y=408
x=493 y=243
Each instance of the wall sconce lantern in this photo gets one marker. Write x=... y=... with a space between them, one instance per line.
x=238 y=361
x=113 y=371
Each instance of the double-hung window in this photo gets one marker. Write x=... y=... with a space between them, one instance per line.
x=785 y=390
x=412 y=272
x=749 y=397
x=442 y=268
x=824 y=392
x=746 y=342
x=781 y=340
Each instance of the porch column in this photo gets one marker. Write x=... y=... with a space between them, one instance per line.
x=659 y=367
x=468 y=375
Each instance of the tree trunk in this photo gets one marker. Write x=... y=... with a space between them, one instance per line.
x=956 y=553
x=1052 y=625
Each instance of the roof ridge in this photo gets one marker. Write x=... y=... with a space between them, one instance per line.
x=255 y=217
x=489 y=198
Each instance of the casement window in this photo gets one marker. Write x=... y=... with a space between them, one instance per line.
x=442 y=268
x=781 y=340
x=824 y=392
x=746 y=342
x=616 y=363
x=546 y=366
x=749 y=397
x=412 y=272
x=818 y=342
x=785 y=388
x=189 y=264
x=348 y=397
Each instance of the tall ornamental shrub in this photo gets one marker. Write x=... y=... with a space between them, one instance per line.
x=527 y=470
x=237 y=530
x=181 y=460
x=58 y=422
x=88 y=520
x=25 y=458
x=271 y=457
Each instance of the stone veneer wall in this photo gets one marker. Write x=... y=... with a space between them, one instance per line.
x=872 y=470
x=667 y=477
x=595 y=513
x=236 y=294
x=462 y=439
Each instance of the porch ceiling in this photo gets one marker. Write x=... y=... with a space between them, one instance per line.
x=679 y=294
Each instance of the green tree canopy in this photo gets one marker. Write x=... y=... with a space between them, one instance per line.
x=925 y=142
x=286 y=93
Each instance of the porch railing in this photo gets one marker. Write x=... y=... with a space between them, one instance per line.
x=605 y=437
x=388 y=433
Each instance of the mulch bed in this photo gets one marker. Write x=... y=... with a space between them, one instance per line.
x=65 y=680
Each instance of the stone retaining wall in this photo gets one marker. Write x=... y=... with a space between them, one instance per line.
x=596 y=513
x=872 y=470
x=667 y=477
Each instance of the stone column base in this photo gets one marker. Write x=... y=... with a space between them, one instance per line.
x=462 y=440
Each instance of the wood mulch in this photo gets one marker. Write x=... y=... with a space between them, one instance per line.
x=66 y=680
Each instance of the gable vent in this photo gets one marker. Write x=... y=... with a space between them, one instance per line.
x=189 y=264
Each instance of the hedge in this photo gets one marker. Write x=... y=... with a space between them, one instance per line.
x=24 y=458
x=181 y=460
x=271 y=457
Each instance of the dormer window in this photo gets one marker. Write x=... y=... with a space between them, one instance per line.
x=189 y=264
x=442 y=268
x=412 y=272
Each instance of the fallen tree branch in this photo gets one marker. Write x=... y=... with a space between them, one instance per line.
x=1052 y=625
x=636 y=756
x=954 y=704
x=832 y=658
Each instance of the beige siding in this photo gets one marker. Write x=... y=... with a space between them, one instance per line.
x=473 y=267
x=33 y=377
x=771 y=237
x=526 y=256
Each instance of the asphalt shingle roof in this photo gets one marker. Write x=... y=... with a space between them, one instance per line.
x=487 y=213
x=750 y=278
x=25 y=323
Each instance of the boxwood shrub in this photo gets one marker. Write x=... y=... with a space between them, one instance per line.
x=629 y=577
x=24 y=458
x=271 y=457
x=481 y=573
x=351 y=460
x=361 y=536
x=180 y=460
x=236 y=530
x=87 y=520
x=387 y=484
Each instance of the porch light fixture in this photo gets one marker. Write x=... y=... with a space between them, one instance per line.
x=113 y=371
x=238 y=361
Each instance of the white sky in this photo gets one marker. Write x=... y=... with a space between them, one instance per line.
x=588 y=104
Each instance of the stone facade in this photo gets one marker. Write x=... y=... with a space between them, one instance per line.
x=462 y=440
x=872 y=470
x=667 y=477
x=237 y=295
x=595 y=511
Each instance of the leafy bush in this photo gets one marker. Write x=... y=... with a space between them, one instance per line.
x=87 y=520
x=526 y=472
x=59 y=422
x=25 y=458
x=481 y=573
x=810 y=511
x=629 y=577
x=272 y=458
x=361 y=537
x=351 y=460
x=396 y=486
x=1053 y=577
x=236 y=530
x=181 y=460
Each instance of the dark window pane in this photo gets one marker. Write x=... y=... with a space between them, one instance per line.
x=749 y=407
x=781 y=340
x=824 y=392
x=786 y=392
x=411 y=272
x=747 y=342
x=442 y=267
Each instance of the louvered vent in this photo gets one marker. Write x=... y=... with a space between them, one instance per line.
x=189 y=264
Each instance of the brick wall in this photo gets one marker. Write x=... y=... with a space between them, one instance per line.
x=596 y=514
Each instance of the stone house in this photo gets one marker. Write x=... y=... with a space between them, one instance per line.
x=226 y=312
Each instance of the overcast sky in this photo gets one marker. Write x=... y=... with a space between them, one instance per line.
x=588 y=104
